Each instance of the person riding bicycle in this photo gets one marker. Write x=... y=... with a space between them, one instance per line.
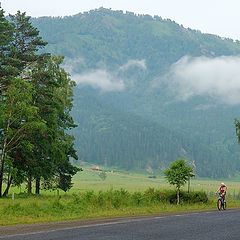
x=222 y=190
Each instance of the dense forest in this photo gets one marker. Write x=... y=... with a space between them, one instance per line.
x=126 y=114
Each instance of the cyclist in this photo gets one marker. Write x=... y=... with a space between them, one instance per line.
x=222 y=190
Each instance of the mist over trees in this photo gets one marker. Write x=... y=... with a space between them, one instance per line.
x=129 y=109
x=35 y=103
x=126 y=105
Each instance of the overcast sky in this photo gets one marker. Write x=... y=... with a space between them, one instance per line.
x=221 y=17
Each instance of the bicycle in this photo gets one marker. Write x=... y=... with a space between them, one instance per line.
x=221 y=203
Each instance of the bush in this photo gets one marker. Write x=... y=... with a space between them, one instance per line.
x=120 y=198
x=137 y=198
x=116 y=199
x=169 y=196
x=57 y=204
x=194 y=197
x=154 y=196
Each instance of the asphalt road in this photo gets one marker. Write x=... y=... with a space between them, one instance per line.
x=224 y=225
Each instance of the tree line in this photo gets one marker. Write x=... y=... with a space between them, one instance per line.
x=36 y=97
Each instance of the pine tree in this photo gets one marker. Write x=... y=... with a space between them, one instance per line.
x=26 y=42
x=6 y=33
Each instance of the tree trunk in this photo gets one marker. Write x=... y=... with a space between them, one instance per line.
x=3 y=154
x=1 y=178
x=189 y=185
x=8 y=186
x=1 y=172
x=1 y=181
x=37 y=189
x=2 y=162
x=29 y=185
x=178 y=196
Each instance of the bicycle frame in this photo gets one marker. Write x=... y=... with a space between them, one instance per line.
x=221 y=203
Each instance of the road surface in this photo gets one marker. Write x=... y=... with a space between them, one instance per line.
x=224 y=225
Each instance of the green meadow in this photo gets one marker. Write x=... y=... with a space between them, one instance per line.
x=119 y=194
x=89 y=179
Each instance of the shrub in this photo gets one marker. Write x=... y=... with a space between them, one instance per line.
x=152 y=195
x=194 y=197
x=120 y=198
x=116 y=199
x=137 y=198
x=57 y=204
x=171 y=197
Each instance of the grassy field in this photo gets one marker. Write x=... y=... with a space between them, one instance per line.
x=89 y=179
x=89 y=198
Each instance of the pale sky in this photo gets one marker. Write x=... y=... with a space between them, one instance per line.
x=221 y=17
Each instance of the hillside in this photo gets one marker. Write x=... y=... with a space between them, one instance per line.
x=128 y=116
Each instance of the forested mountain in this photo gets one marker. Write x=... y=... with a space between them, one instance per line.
x=127 y=112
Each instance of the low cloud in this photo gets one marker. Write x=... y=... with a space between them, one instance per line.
x=134 y=63
x=71 y=63
x=218 y=78
x=100 y=79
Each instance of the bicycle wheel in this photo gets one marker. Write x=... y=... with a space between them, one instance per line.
x=224 y=206
x=219 y=204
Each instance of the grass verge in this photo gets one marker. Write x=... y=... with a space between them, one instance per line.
x=93 y=205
